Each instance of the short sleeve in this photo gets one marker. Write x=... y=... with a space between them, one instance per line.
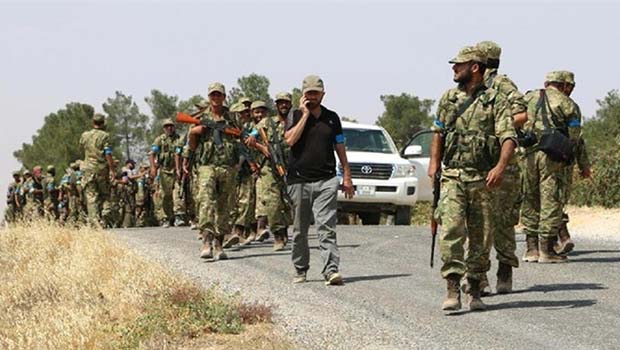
x=338 y=134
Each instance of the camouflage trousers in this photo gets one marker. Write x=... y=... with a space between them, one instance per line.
x=50 y=208
x=269 y=201
x=465 y=213
x=246 y=201
x=169 y=202
x=10 y=213
x=77 y=214
x=216 y=197
x=544 y=195
x=97 y=192
x=506 y=209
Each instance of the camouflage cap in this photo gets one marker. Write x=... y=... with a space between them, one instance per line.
x=51 y=168
x=258 y=104
x=569 y=77
x=219 y=87
x=490 y=49
x=26 y=172
x=312 y=83
x=284 y=96
x=238 y=107
x=555 y=77
x=17 y=173
x=245 y=100
x=37 y=168
x=98 y=118
x=168 y=121
x=469 y=54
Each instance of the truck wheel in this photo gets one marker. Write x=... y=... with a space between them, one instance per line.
x=370 y=218
x=403 y=215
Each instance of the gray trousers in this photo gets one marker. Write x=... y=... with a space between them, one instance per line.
x=318 y=198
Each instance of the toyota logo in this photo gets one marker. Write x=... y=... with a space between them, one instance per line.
x=366 y=169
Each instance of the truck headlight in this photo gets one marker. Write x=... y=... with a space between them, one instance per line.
x=403 y=170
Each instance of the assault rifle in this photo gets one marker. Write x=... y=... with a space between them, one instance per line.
x=211 y=124
x=276 y=156
x=436 y=192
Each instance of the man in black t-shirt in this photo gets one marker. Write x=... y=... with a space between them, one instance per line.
x=313 y=133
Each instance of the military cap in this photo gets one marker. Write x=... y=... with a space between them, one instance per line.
x=238 y=107
x=470 y=54
x=26 y=172
x=168 y=121
x=130 y=161
x=219 y=87
x=245 y=100
x=490 y=49
x=312 y=83
x=284 y=96
x=16 y=173
x=99 y=118
x=50 y=168
x=568 y=76
x=555 y=77
x=258 y=104
x=37 y=168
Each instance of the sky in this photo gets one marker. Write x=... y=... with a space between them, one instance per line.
x=53 y=53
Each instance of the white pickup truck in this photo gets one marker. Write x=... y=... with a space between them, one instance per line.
x=384 y=182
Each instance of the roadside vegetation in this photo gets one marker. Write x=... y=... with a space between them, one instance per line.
x=64 y=288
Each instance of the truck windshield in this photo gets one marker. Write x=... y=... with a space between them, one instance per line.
x=364 y=140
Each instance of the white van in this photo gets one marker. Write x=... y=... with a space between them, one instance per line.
x=384 y=182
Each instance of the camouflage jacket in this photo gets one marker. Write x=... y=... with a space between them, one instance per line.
x=96 y=145
x=165 y=147
x=222 y=153
x=50 y=192
x=271 y=125
x=508 y=88
x=473 y=140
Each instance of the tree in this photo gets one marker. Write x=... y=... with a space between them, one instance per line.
x=254 y=86
x=602 y=133
x=404 y=115
x=57 y=142
x=162 y=106
x=349 y=119
x=296 y=95
x=127 y=126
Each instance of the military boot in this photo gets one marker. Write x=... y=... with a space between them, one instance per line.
x=453 y=299
x=485 y=288
x=278 y=240
x=179 y=221
x=249 y=236
x=531 y=251
x=218 y=250
x=234 y=238
x=207 y=251
x=261 y=229
x=475 y=302
x=504 y=279
x=565 y=244
x=547 y=254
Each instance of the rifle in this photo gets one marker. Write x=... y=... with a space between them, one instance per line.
x=211 y=124
x=277 y=162
x=436 y=192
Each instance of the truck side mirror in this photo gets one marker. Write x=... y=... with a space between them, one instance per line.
x=413 y=151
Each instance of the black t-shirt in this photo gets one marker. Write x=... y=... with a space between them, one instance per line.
x=312 y=157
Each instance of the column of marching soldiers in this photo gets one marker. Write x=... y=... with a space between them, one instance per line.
x=163 y=191
x=499 y=156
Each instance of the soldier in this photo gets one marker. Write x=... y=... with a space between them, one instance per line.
x=98 y=169
x=474 y=139
x=545 y=182
x=33 y=190
x=565 y=244
x=244 y=211
x=508 y=194
x=77 y=200
x=64 y=194
x=246 y=101
x=144 y=203
x=12 y=201
x=23 y=194
x=218 y=157
x=273 y=205
x=162 y=158
x=50 y=194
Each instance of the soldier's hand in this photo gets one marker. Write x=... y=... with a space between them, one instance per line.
x=495 y=177
x=250 y=141
x=153 y=173
x=432 y=170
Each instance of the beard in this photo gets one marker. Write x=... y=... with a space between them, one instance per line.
x=284 y=111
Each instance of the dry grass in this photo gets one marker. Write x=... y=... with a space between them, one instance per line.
x=81 y=289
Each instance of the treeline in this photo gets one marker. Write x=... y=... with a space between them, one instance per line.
x=57 y=141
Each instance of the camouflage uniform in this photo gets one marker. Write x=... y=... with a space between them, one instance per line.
x=50 y=194
x=12 y=207
x=33 y=191
x=546 y=182
x=144 y=204
x=472 y=148
x=96 y=179
x=169 y=202
x=77 y=208
x=270 y=187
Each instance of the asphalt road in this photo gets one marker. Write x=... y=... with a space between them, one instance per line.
x=391 y=298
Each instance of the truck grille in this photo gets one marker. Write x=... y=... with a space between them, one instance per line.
x=370 y=171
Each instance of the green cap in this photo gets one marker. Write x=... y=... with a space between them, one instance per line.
x=168 y=121
x=555 y=77
x=16 y=173
x=26 y=172
x=238 y=107
x=490 y=49
x=258 y=104
x=284 y=96
x=569 y=77
x=99 y=118
x=245 y=100
x=219 y=87
x=312 y=83
x=51 y=168
x=469 y=54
